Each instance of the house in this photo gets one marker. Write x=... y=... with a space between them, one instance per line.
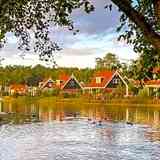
x=106 y=81
x=20 y=89
x=153 y=87
x=62 y=80
x=47 y=84
x=68 y=84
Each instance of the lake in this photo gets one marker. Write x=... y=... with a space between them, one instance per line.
x=67 y=131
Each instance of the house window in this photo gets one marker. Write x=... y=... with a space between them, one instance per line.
x=98 y=79
x=50 y=84
x=50 y=81
x=115 y=81
x=58 y=82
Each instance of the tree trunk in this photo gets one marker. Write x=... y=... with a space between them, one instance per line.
x=140 y=21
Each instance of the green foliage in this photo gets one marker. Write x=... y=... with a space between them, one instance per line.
x=119 y=91
x=143 y=30
x=109 y=62
x=143 y=93
x=26 y=17
x=133 y=89
x=49 y=93
x=69 y=95
x=32 y=76
x=142 y=67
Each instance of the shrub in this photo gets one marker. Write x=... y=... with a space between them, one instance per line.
x=49 y=93
x=69 y=95
x=143 y=93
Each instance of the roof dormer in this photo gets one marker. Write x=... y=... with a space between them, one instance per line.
x=99 y=80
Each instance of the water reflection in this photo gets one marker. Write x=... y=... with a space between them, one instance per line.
x=63 y=111
x=66 y=131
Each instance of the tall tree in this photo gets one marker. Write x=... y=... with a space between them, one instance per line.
x=109 y=62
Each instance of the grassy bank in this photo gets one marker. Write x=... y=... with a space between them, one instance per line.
x=134 y=101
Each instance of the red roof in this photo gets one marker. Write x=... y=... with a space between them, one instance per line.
x=105 y=78
x=148 y=82
x=153 y=82
x=63 y=78
x=45 y=82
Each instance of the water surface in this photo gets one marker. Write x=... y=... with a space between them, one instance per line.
x=61 y=131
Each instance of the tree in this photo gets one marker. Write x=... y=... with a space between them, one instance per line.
x=109 y=61
x=143 y=67
x=25 y=17
x=143 y=18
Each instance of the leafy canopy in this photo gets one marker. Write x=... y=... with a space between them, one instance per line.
x=24 y=17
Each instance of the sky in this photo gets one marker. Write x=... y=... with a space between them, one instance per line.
x=97 y=37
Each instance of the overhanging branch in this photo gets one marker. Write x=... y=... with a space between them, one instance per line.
x=140 y=21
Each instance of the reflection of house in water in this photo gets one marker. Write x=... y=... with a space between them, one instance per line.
x=49 y=114
x=141 y=115
x=20 y=89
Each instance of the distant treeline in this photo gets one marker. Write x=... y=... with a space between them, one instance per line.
x=33 y=75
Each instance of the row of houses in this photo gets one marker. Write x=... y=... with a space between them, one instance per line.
x=101 y=82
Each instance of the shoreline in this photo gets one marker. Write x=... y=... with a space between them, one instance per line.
x=137 y=102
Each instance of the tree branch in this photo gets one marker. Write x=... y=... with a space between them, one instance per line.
x=140 y=21
x=156 y=4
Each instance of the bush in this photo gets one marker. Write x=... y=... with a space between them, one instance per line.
x=143 y=93
x=49 y=93
x=66 y=95
x=69 y=95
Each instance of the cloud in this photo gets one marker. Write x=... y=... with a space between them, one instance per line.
x=97 y=21
x=79 y=51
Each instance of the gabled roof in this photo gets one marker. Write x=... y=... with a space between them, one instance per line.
x=63 y=78
x=106 y=77
x=67 y=80
x=44 y=82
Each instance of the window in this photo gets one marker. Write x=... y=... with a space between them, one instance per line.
x=50 y=84
x=58 y=82
x=115 y=81
x=98 y=79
